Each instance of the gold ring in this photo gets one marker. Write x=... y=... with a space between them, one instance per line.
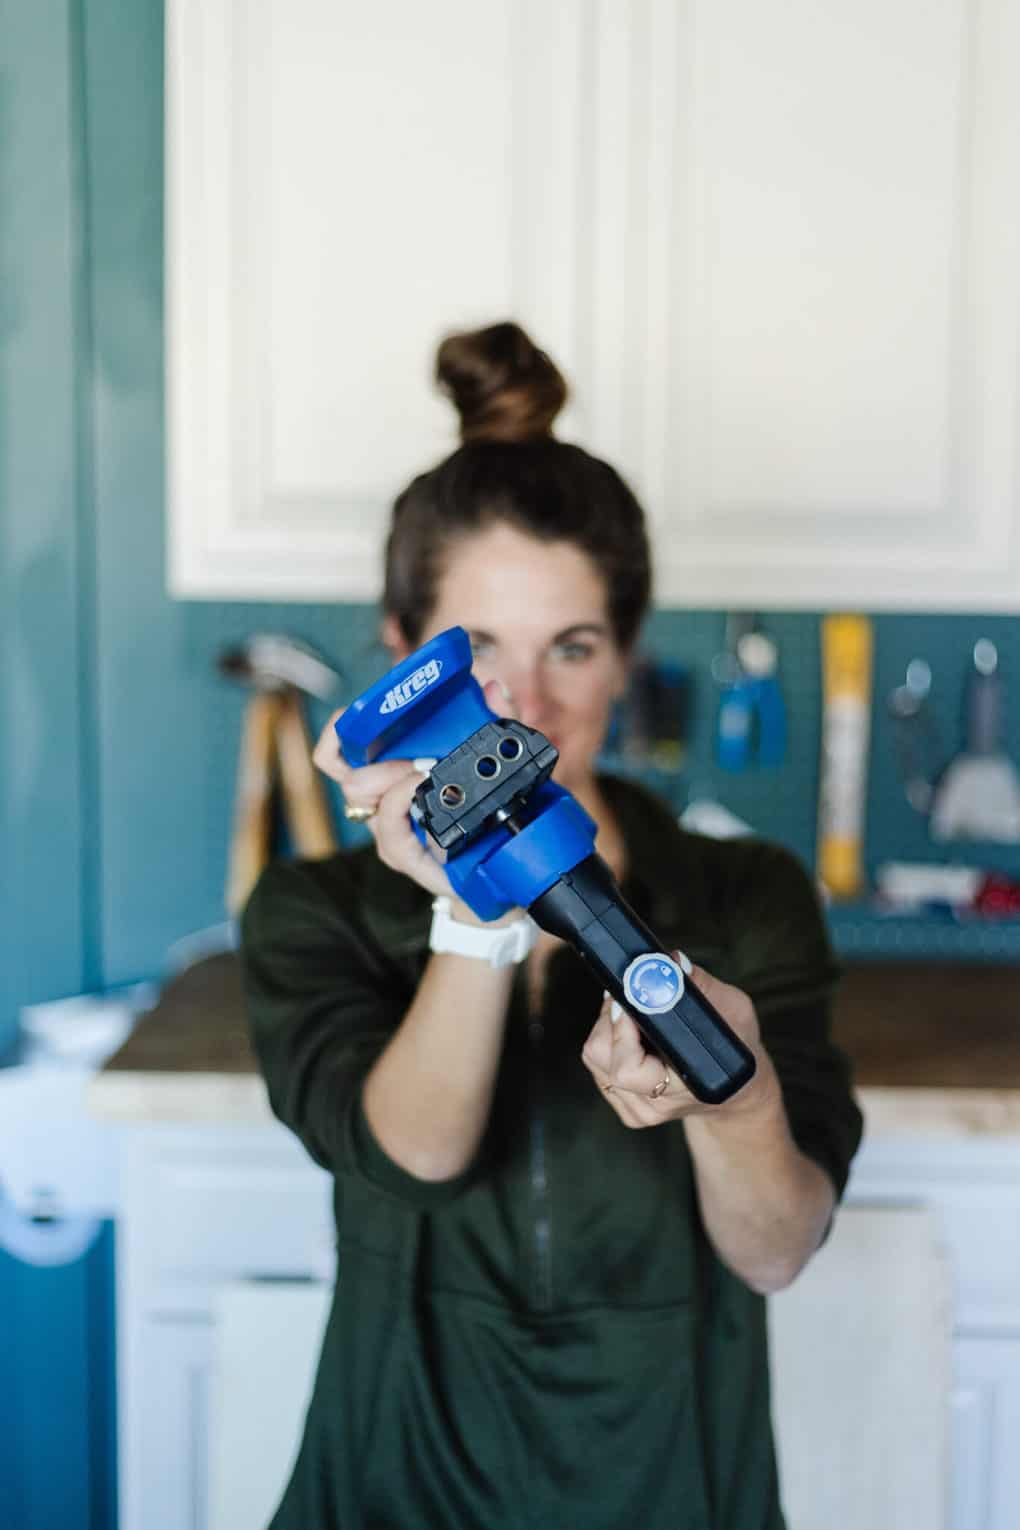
x=358 y=814
x=661 y=1086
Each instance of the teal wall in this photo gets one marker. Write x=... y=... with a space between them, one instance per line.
x=58 y=1457
x=45 y=779
x=117 y=738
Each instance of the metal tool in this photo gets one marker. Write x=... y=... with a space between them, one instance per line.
x=915 y=735
x=751 y=726
x=978 y=797
x=276 y=749
x=271 y=661
x=847 y=643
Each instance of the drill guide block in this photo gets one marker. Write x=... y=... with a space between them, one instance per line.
x=482 y=782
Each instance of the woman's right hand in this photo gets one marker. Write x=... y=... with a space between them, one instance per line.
x=387 y=789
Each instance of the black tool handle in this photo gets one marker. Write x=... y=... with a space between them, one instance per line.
x=585 y=909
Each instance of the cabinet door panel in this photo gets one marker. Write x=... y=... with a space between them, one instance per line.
x=986 y=1429
x=860 y=1351
x=848 y=404
x=268 y=1338
x=346 y=184
x=164 y=1432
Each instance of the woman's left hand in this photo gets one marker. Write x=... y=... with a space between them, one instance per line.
x=632 y=1078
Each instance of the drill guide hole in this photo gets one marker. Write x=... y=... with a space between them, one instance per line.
x=510 y=748
x=487 y=766
x=452 y=795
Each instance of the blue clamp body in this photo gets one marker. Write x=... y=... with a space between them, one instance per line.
x=424 y=708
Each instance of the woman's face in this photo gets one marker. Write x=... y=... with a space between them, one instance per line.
x=538 y=617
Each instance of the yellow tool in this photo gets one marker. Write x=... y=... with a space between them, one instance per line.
x=847 y=647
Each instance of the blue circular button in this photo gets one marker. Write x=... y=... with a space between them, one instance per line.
x=653 y=983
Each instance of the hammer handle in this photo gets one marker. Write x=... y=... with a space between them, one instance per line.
x=311 y=827
x=250 y=842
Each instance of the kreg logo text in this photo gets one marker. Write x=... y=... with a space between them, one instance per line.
x=399 y=695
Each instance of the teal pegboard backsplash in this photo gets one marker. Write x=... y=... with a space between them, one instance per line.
x=774 y=800
x=947 y=643
x=779 y=802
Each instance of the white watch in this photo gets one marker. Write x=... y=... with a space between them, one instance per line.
x=501 y=946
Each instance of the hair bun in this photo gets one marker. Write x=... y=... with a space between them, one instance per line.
x=502 y=386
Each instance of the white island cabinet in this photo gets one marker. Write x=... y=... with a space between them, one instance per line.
x=203 y=1207
x=226 y=1231
x=775 y=248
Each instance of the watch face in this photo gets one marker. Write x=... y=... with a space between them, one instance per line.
x=653 y=983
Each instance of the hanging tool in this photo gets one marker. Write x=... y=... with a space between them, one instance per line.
x=511 y=837
x=275 y=749
x=649 y=724
x=846 y=721
x=915 y=735
x=978 y=797
x=751 y=726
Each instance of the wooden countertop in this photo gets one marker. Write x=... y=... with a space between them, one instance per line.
x=934 y=1047
x=190 y=1058
x=198 y=1026
x=931 y=1025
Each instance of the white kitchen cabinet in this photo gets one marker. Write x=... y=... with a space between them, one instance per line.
x=212 y=1217
x=777 y=251
x=201 y=1208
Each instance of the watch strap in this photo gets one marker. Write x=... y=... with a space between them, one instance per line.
x=500 y=945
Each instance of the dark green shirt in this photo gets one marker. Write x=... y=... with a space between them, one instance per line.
x=549 y=1339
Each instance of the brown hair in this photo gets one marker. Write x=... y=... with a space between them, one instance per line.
x=511 y=468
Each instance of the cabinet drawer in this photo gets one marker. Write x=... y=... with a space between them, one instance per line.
x=251 y=1209
x=973 y=1189
x=217 y=1220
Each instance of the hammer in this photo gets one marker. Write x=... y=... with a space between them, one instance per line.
x=275 y=744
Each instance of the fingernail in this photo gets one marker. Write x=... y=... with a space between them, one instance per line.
x=614 y=1008
x=425 y=764
x=684 y=963
x=507 y=693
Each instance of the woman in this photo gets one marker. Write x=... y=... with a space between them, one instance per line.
x=541 y=1318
